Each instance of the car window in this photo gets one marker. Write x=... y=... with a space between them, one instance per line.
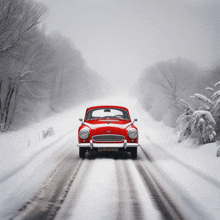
x=110 y=113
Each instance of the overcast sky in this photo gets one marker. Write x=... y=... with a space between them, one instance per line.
x=119 y=38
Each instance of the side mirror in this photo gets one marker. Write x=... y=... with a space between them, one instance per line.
x=134 y=120
x=81 y=119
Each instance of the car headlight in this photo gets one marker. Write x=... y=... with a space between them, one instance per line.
x=84 y=134
x=132 y=133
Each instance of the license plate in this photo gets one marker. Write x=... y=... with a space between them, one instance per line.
x=108 y=149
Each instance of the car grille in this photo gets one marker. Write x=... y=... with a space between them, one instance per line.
x=108 y=138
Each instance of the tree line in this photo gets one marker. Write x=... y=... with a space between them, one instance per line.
x=169 y=90
x=39 y=72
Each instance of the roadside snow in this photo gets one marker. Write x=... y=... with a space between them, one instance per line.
x=18 y=147
x=26 y=158
x=193 y=169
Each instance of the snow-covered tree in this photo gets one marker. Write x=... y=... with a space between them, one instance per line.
x=164 y=84
x=17 y=19
x=211 y=104
x=38 y=72
x=196 y=124
x=210 y=110
x=18 y=28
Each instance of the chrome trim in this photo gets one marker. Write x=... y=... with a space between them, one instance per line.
x=91 y=144
x=108 y=138
x=125 y=144
x=100 y=145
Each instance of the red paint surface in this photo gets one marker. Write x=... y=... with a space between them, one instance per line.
x=101 y=126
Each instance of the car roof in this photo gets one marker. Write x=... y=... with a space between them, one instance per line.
x=106 y=106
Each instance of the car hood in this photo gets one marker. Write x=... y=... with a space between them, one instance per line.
x=113 y=127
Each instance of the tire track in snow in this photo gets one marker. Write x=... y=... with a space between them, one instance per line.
x=170 y=199
x=136 y=207
x=199 y=173
x=75 y=191
x=120 y=181
x=50 y=198
x=41 y=151
x=129 y=202
x=165 y=205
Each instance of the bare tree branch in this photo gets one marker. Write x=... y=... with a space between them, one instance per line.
x=18 y=18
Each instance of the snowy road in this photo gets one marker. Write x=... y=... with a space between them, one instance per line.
x=107 y=187
x=46 y=179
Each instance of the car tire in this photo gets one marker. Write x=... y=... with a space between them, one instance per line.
x=134 y=153
x=82 y=152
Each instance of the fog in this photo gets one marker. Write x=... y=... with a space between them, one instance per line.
x=56 y=54
x=118 y=39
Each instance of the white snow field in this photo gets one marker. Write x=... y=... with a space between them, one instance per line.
x=26 y=159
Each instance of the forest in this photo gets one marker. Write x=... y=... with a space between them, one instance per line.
x=184 y=96
x=39 y=73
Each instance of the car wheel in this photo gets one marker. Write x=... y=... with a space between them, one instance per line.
x=82 y=152
x=134 y=153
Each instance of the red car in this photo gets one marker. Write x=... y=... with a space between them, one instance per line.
x=107 y=128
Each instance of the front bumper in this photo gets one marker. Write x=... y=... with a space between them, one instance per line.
x=92 y=145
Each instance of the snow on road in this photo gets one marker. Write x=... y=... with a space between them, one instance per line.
x=99 y=195
x=109 y=191
x=25 y=160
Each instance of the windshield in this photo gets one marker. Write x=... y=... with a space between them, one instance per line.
x=103 y=113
